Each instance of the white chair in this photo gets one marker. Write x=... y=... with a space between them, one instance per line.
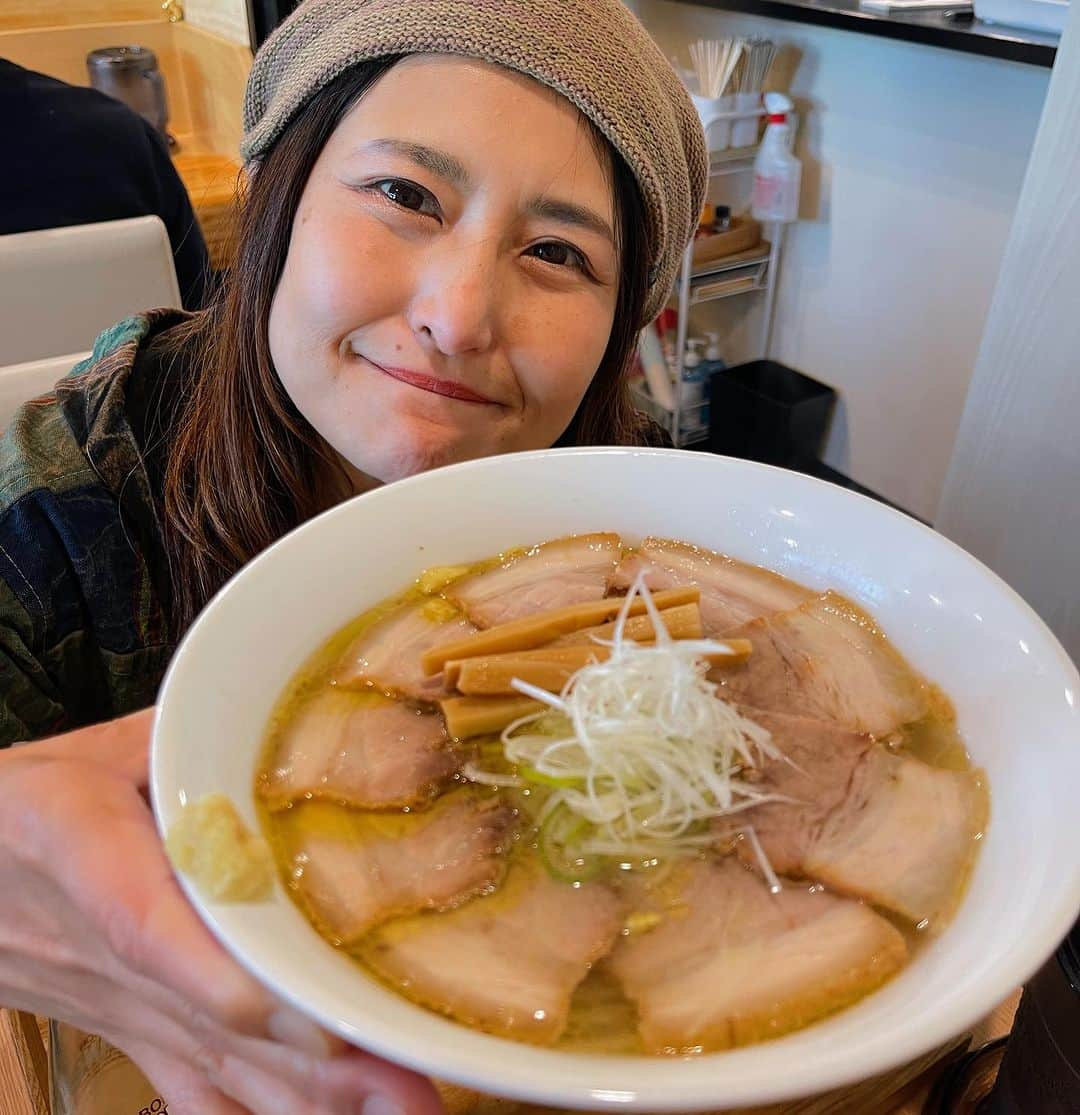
x=21 y=382
x=60 y=287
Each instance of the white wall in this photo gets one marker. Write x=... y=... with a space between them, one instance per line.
x=913 y=160
x=1011 y=493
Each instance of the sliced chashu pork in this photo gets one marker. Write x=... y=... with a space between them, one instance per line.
x=354 y=871
x=729 y=963
x=507 y=963
x=871 y=823
x=818 y=762
x=826 y=659
x=904 y=837
x=387 y=655
x=359 y=749
x=732 y=592
x=555 y=574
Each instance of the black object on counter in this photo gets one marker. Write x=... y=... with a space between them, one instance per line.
x=131 y=74
x=765 y=411
x=1040 y=1072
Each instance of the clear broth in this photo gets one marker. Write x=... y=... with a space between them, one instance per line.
x=601 y=1019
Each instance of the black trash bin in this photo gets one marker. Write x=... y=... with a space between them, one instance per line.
x=766 y=411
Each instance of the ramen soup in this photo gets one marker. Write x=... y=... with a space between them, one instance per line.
x=620 y=799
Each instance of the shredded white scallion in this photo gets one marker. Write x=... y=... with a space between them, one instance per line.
x=487 y=778
x=647 y=752
x=763 y=862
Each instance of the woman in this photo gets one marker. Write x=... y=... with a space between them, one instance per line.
x=459 y=214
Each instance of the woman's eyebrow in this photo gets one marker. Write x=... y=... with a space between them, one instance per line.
x=452 y=170
x=441 y=163
x=569 y=213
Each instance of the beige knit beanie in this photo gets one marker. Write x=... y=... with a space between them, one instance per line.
x=593 y=52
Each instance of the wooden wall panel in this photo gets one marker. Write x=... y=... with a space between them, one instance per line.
x=20 y=14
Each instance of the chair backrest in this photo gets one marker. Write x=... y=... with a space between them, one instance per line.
x=60 y=287
x=22 y=382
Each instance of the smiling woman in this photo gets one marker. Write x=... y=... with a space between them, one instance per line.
x=457 y=215
x=416 y=286
x=448 y=293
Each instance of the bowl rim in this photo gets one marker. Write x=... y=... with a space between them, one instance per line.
x=533 y=1074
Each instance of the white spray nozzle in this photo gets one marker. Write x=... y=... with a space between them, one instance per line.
x=778 y=104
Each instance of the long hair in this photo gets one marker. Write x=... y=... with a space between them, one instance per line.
x=243 y=465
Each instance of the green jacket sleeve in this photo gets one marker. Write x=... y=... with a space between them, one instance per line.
x=29 y=704
x=83 y=630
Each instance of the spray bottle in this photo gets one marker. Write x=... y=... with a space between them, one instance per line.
x=777 y=173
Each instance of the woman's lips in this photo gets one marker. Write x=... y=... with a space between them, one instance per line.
x=447 y=387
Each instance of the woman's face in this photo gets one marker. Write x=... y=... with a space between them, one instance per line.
x=451 y=277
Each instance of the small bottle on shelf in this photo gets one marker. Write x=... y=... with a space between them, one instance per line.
x=692 y=395
x=714 y=362
x=713 y=355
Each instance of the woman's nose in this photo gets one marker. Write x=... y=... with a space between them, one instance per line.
x=455 y=300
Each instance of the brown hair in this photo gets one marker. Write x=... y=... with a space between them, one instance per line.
x=244 y=466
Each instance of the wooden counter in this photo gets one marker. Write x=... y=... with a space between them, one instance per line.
x=23 y=1066
x=212 y=181
x=23 y=1087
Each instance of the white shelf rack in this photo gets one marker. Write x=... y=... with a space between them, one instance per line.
x=721 y=278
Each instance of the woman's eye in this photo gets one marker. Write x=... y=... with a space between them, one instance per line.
x=407 y=195
x=559 y=255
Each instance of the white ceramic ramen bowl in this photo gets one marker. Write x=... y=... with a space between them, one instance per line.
x=1016 y=694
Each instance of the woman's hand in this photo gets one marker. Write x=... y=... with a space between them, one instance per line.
x=95 y=931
